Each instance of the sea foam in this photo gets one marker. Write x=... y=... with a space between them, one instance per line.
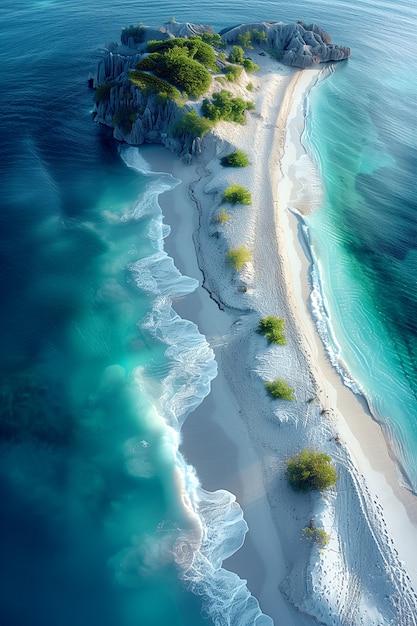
x=213 y=527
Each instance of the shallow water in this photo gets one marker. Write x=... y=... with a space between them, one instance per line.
x=93 y=384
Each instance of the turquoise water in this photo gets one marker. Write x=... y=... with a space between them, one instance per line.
x=98 y=373
x=364 y=237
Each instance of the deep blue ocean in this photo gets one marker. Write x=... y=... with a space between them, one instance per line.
x=98 y=372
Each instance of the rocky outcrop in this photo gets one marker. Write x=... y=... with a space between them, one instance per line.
x=137 y=117
x=297 y=44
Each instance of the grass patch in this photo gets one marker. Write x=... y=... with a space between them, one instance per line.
x=222 y=217
x=318 y=535
x=279 y=389
x=237 y=257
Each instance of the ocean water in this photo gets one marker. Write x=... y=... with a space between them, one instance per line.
x=97 y=371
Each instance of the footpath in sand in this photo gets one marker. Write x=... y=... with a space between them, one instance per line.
x=239 y=439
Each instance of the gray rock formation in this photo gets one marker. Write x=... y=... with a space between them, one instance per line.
x=148 y=119
x=297 y=45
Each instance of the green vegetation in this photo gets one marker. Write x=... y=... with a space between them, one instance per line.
x=279 y=389
x=151 y=84
x=124 y=117
x=222 y=217
x=232 y=73
x=236 y=194
x=224 y=107
x=273 y=329
x=318 y=535
x=137 y=33
x=236 y=55
x=238 y=158
x=213 y=39
x=245 y=40
x=310 y=469
x=193 y=124
x=258 y=36
x=237 y=257
x=193 y=47
x=249 y=86
x=102 y=93
x=250 y=66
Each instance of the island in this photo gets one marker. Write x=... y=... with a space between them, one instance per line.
x=223 y=113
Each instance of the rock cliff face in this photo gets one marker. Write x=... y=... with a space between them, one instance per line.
x=138 y=118
x=297 y=45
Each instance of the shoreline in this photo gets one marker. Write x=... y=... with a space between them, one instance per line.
x=298 y=570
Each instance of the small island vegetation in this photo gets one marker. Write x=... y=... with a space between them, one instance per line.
x=273 y=329
x=317 y=535
x=238 y=158
x=223 y=106
x=222 y=217
x=279 y=389
x=311 y=470
x=237 y=257
x=193 y=124
x=236 y=194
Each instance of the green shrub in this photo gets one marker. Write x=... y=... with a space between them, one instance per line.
x=222 y=217
x=102 y=92
x=258 y=36
x=273 y=329
x=194 y=47
x=148 y=83
x=213 y=39
x=237 y=257
x=279 y=389
x=137 y=33
x=318 y=535
x=245 y=40
x=193 y=124
x=147 y=64
x=235 y=194
x=224 y=107
x=124 y=118
x=232 y=72
x=238 y=158
x=183 y=71
x=249 y=86
x=310 y=469
x=236 y=55
x=250 y=66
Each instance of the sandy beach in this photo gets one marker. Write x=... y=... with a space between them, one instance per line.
x=239 y=439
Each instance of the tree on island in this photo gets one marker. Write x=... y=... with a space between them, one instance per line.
x=310 y=469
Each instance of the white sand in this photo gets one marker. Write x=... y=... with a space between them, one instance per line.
x=239 y=439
